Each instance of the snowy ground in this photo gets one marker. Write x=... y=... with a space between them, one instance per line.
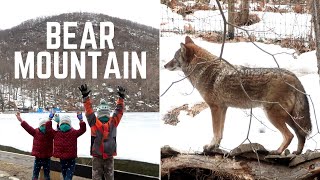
x=192 y=133
x=14 y=12
x=138 y=135
x=272 y=25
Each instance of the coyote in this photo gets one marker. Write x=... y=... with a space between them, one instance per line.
x=278 y=91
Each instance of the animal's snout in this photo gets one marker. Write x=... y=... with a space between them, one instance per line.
x=172 y=65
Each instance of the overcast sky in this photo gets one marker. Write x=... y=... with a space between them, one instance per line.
x=13 y=12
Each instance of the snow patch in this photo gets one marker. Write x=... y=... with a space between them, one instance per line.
x=192 y=133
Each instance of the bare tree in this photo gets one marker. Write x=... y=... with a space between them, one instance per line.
x=316 y=21
x=244 y=12
x=203 y=1
x=231 y=18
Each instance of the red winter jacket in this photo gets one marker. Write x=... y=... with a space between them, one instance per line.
x=65 y=143
x=42 y=143
x=103 y=135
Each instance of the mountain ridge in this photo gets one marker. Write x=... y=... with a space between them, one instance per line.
x=30 y=35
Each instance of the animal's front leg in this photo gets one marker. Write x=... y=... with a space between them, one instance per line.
x=218 y=116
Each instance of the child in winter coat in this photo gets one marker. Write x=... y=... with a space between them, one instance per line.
x=103 y=133
x=65 y=143
x=42 y=146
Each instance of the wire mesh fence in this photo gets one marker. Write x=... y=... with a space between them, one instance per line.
x=277 y=21
x=296 y=28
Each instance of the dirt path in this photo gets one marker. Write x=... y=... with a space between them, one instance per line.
x=18 y=167
x=10 y=171
x=14 y=170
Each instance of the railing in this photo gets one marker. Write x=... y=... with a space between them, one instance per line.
x=86 y=172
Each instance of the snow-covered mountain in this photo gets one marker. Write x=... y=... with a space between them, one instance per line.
x=31 y=36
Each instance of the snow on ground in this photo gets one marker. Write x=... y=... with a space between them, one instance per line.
x=138 y=135
x=272 y=25
x=281 y=25
x=191 y=134
x=14 y=12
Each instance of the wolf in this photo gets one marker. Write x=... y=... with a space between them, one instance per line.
x=278 y=91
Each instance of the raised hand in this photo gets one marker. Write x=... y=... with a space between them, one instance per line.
x=121 y=91
x=18 y=116
x=84 y=90
x=79 y=116
x=57 y=118
x=51 y=115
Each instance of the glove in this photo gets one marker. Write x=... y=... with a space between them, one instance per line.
x=51 y=115
x=84 y=90
x=56 y=118
x=121 y=91
x=79 y=116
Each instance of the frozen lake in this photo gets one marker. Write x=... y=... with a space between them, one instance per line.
x=138 y=135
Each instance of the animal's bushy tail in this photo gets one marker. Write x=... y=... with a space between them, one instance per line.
x=301 y=113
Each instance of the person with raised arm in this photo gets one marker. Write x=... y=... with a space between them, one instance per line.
x=65 y=143
x=42 y=147
x=103 y=133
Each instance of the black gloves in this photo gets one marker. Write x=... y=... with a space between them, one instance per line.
x=84 y=90
x=121 y=91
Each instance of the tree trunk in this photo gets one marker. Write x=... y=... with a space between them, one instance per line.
x=43 y=96
x=56 y=92
x=264 y=4
x=244 y=12
x=218 y=167
x=38 y=97
x=231 y=18
x=316 y=23
x=247 y=161
x=16 y=93
x=9 y=95
x=34 y=93
x=2 y=100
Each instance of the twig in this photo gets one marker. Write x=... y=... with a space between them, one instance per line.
x=172 y=85
x=261 y=122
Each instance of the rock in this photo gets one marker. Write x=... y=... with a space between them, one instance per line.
x=286 y=152
x=3 y=174
x=13 y=178
x=215 y=151
x=6 y=176
x=167 y=151
x=309 y=155
x=246 y=148
x=280 y=159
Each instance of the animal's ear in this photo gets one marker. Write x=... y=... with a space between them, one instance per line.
x=188 y=40
x=184 y=51
x=183 y=48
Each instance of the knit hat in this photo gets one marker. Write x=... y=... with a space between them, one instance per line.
x=42 y=121
x=103 y=109
x=65 y=119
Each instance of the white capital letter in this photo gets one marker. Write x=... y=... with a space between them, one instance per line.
x=18 y=64
x=94 y=56
x=80 y=66
x=125 y=65
x=88 y=29
x=56 y=64
x=112 y=59
x=67 y=35
x=47 y=58
x=141 y=66
x=53 y=35
x=104 y=37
